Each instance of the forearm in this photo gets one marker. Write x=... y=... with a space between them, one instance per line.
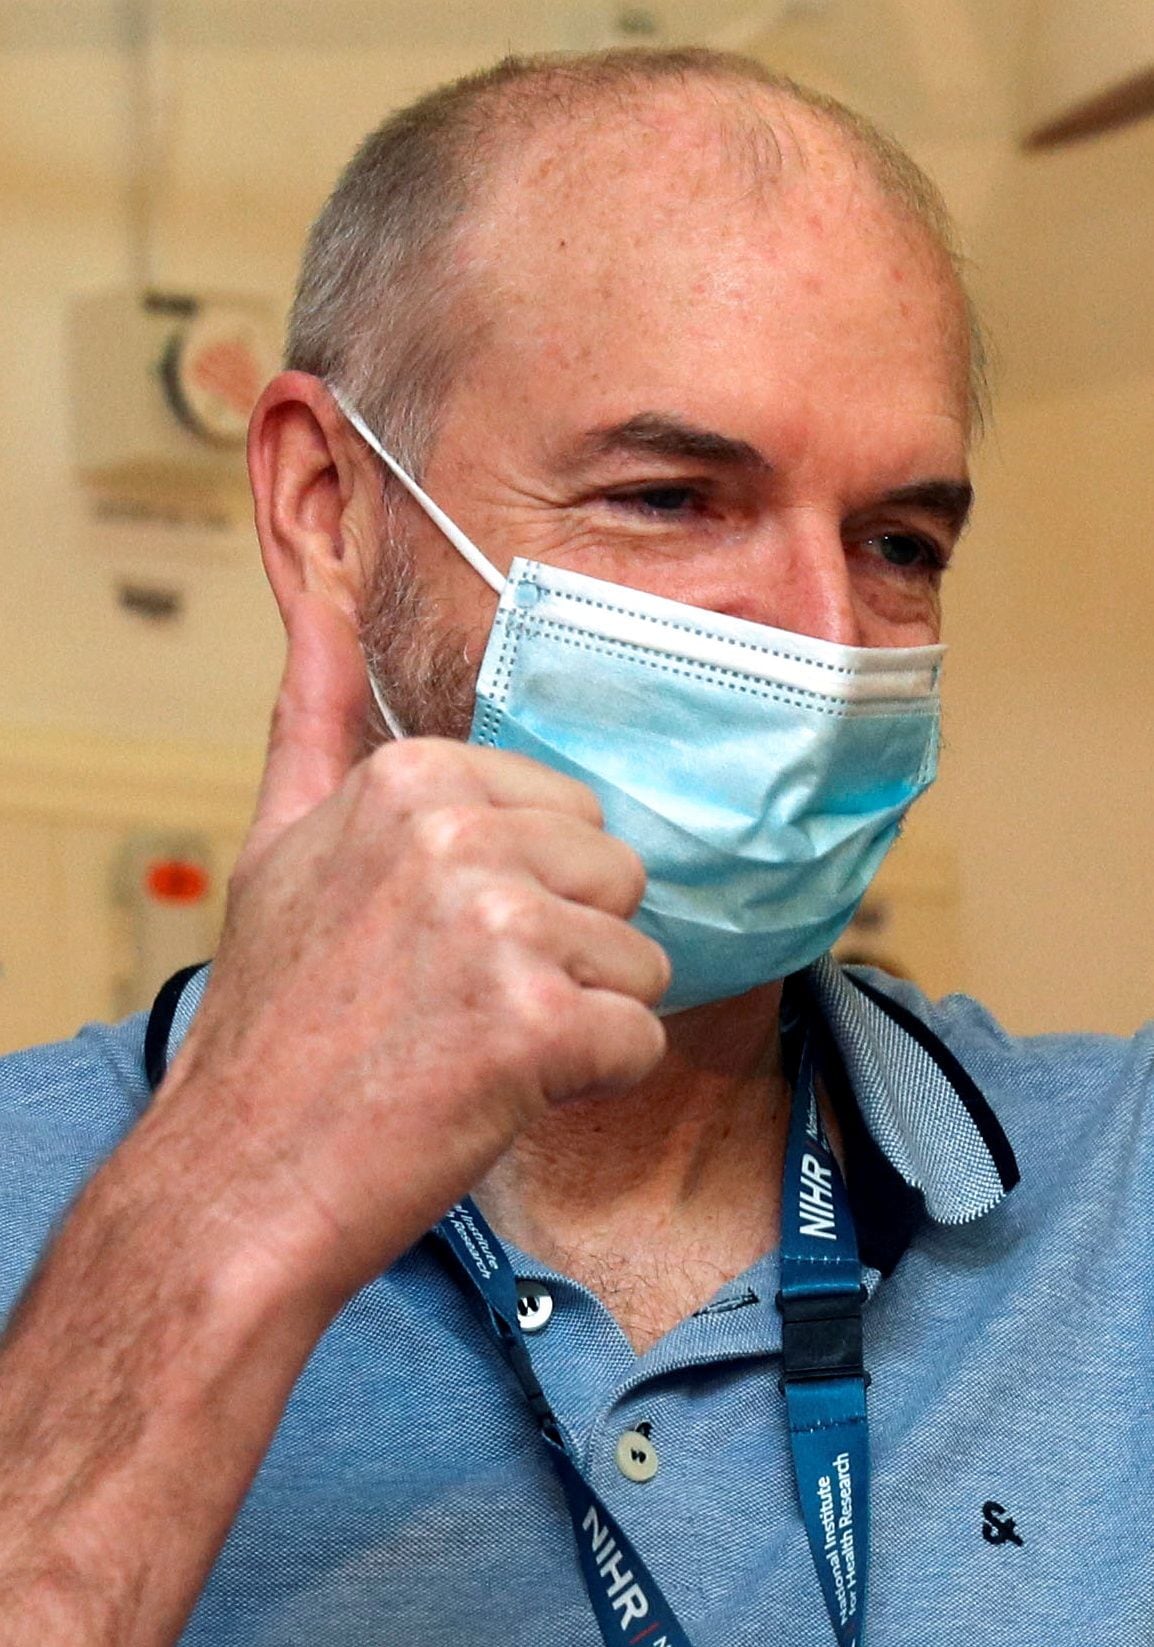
x=422 y=954
x=141 y=1380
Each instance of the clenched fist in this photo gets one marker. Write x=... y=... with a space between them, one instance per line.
x=423 y=950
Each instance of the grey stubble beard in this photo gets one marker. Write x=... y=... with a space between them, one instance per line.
x=423 y=670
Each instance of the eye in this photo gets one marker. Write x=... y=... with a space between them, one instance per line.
x=659 y=500
x=907 y=551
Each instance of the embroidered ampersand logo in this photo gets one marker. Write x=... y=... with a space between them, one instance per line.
x=997 y=1527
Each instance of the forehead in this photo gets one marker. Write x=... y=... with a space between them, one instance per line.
x=692 y=233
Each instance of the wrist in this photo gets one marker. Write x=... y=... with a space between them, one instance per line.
x=189 y=1200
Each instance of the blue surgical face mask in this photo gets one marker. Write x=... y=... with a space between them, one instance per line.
x=760 y=775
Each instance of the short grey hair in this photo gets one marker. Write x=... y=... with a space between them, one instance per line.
x=382 y=307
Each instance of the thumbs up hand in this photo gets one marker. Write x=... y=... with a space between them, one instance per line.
x=424 y=949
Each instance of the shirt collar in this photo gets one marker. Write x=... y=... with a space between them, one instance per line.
x=921 y=1138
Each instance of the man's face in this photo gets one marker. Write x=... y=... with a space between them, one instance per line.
x=741 y=391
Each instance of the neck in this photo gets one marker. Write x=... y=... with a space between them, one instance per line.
x=686 y=1167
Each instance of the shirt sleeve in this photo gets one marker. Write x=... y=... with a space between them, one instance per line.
x=63 y=1110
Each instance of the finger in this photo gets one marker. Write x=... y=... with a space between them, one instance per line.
x=516 y=780
x=601 y=952
x=416 y=776
x=570 y=857
x=618 y=1043
x=318 y=720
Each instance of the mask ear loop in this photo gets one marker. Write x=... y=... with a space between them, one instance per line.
x=463 y=545
x=386 y=713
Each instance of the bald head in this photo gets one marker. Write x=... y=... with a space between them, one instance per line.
x=450 y=210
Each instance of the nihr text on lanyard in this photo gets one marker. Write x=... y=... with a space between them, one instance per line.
x=823 y=1380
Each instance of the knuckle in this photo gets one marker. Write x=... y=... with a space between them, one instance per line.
x=509 y=913
x=590 y=804
x=408 y=766
x=662 y=970
x=450 y=833
x=398 y=782
x=542 y=1001
x=652 y=1042
x=372 y=779
x=633 y=877
x=622 y=877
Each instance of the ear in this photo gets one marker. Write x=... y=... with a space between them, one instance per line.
x=317 y=494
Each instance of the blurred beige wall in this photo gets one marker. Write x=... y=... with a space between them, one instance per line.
x=1041 y=810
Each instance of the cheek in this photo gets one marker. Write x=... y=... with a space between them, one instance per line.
x=894 y=610
x=454 y=597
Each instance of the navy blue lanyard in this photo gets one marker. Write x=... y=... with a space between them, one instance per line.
x=822 y=1377
x=822 y=1374
x=626 y=1598
x=821 y=1350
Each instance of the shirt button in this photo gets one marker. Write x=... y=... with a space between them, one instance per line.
x=636 y=1456
x=534 y=1305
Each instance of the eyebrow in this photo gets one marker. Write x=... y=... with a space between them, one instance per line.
x=949 y=501
x=657 y=434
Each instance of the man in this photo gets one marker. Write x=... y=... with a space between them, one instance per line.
x=658 y=321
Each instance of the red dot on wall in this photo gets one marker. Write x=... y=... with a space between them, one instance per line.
x=176 y=881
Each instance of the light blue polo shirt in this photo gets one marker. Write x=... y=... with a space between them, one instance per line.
x=407 y=1502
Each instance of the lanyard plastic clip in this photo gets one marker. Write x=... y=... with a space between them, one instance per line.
x=821 y=1336
x=518 y=1358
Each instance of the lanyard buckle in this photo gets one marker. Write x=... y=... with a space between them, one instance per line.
x=518 y=1359
x=821 y=1336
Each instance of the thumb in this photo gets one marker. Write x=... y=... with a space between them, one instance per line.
x=318 y=720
